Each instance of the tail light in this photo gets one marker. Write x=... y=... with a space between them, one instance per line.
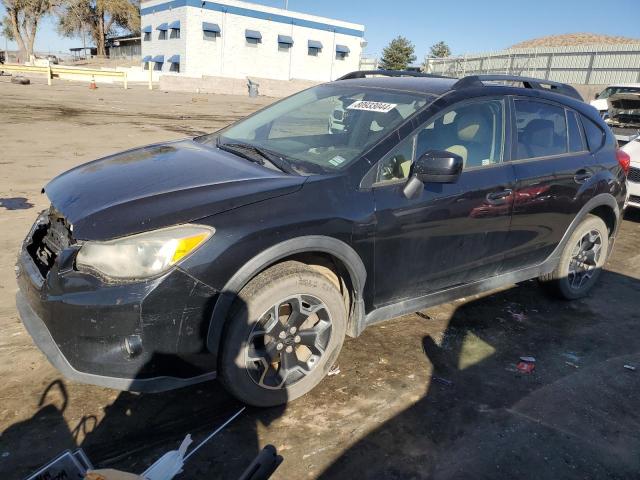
x=624 y=160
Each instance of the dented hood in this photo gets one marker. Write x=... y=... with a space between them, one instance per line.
x=158 y=186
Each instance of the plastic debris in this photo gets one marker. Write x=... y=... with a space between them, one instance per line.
x=571 y=356
x=335 y=370
x=630 y=367
x=526 y=367
x=528 y=359
x=571 y=364
x=170 y=464
x=443 y=381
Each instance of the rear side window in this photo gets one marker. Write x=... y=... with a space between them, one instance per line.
x=576 y=140
x=542 y=129
x=594 y=134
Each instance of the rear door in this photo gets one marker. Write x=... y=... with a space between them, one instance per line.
x=552 y=166
x=450 y=233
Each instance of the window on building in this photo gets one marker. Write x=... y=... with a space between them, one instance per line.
x=174 y=29
x=158 y=62
x=146 y=33
x=206 y=35
x=285 y=42
x=145 y=62
x=342 y=52
x=542 y=129
x=174 y=63
x=210 y=31
x=253 y=38
x=162 y=31
x=314 y=48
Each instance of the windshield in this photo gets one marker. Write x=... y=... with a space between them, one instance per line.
x=322 y=129
x=607 y=92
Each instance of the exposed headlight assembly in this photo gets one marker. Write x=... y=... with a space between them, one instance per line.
x=143 y=255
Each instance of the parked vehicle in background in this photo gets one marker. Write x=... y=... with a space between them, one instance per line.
x=250 y=253
x=633 y=179
x=619 y=105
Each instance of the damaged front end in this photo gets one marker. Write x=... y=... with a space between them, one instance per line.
x=147 y=335
x=624 y=115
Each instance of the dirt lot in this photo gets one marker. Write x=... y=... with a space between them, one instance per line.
x=430 y=395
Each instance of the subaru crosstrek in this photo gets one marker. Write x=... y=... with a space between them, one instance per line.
x=248 y=254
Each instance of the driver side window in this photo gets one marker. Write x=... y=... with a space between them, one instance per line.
x=472 y=130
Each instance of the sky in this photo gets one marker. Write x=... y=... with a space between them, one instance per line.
x=468 y=26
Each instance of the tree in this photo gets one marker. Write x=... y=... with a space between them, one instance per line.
x=398 y=54
x=100 y=18
x=21 y=22
x=439 y=50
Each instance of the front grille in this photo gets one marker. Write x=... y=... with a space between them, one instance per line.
x=50 y=236
x=634 y=175
x=634 y=198
x=626 y=119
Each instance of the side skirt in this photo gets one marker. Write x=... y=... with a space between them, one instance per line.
x=420 y=303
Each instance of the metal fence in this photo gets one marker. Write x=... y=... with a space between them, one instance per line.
x=587 y=65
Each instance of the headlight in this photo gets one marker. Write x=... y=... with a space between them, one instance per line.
x=143 y=255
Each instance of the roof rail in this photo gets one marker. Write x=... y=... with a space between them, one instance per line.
x=386 y=73
x=528 y=82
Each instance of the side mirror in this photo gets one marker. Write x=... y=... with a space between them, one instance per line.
x=596 y=96
x=438 y=166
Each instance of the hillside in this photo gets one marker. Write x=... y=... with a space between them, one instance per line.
x=572 y=39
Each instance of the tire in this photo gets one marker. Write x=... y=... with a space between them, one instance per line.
x=253 y=342
x=566 y=281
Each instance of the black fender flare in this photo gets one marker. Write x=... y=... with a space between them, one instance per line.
x=600 y=200
x=311 y=243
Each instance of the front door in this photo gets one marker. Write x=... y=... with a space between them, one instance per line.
x=449 y=234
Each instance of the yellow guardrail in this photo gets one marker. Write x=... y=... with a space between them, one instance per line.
x=52 y=70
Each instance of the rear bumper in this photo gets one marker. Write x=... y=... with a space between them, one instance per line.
x=147 y=336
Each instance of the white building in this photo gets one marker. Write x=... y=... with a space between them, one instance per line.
x=230 y=38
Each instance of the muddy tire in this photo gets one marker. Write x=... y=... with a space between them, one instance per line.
x=284 y=333
x=581 y=261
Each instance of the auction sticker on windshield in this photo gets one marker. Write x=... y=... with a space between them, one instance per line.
x=368 y=106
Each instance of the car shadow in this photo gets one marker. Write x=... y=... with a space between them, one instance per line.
x=574 y=416
x=138 y=428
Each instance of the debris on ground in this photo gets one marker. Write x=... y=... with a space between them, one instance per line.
x=571 y=356
x=526 y=365
x=516 y=312
x=335 y=370
x=20 y=80
x=630 y=367
x=424 y=315
x=442 y=381
x=571 y=364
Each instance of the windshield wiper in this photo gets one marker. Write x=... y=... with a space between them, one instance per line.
x=239 y=148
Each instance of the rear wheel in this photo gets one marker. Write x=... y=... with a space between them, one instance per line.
x=581 y=262
x=285 y=331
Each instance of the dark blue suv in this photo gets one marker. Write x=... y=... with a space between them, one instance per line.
x=250 y=253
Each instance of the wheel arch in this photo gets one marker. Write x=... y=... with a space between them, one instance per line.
x=603 y=205
x=312 y=244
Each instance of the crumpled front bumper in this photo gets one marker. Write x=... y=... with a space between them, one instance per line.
x=146 y=336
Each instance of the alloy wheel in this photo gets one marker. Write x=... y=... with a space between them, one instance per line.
x=584 y=259
x=288 y=341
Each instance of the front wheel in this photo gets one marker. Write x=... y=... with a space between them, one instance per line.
x=581 y=261
x=284 y=333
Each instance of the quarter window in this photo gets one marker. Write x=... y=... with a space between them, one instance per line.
x=595 y=135
x=542 y=129
x=576 y=140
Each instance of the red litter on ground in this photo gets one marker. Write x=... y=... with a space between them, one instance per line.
x=526 y=367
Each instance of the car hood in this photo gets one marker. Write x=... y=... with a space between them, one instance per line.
x=158 y=186
x=624 y=109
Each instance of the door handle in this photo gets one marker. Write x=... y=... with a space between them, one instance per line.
x=582 y=176
x=499 y=197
